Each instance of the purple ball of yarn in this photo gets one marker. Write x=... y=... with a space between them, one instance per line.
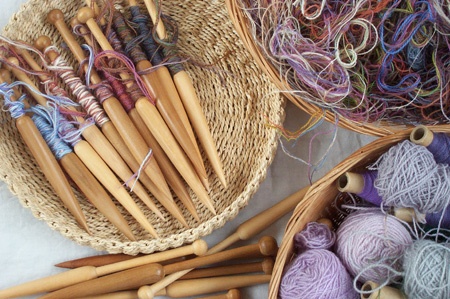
x=315 y=236
x=370 y=243
x=317 y=274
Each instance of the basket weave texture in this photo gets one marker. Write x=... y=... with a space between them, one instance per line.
x=323 y=199
x=242 y=24
x=235 y=96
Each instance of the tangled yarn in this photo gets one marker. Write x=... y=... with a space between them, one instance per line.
x=370 y=244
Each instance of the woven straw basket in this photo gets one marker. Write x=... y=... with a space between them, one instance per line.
x=323 y=199
x=236 y=99
x=241 y=23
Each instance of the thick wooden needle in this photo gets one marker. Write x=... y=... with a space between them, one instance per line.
x=231 y=294
x=47 y=162
x=78 y=275
x=123 y=124
x=189 y=98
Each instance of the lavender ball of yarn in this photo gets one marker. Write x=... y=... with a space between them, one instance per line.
x=409 y=177
x=316 y=274
x=369 y=243
x=315 y=236
x=427 y=270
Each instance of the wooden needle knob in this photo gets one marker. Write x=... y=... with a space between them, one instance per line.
x=84 y=14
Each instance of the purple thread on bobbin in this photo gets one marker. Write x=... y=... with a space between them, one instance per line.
x=120 y=91
x=440 y=148
x=369 y=192
x=440 y=219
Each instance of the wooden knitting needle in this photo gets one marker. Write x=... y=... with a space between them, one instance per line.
x=231 y=294
x=156 y=125
x=199 y=286
x=266 y=246
x=189 y=97
x=124 y=125
x=74 y=276
x=103 y=146
x=169 y=171
x=155 y=87
x=47 y=162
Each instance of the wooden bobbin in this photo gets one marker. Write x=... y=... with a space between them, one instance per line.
x=124 y=125
x=168 y=169
x=421 y=135
x=350 y=182
x=162 y=100
x=190 y=100
x=384 y=293
x=47 y=162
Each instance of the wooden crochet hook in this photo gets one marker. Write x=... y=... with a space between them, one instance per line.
x=46 y=161
x=189 y=98
x=74 y=276
x=231 y=294
x=163 y=101
x=124 y=125
x=103 y=146
x=168 y=169
x=101 y=285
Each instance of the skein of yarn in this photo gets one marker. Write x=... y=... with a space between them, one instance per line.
x=316 y=273
x=370 y=244
x=426 y=264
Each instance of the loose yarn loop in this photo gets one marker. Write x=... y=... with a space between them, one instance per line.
x=409 y=177
x=316 y=272
x=370 y=243
x=426 y=265
x=315 y=236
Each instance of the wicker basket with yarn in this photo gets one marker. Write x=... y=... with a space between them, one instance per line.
x=241 y=22
x=323 y=199
x=236 y=99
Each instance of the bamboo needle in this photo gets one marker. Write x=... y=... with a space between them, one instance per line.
x=190 y=99
x=124 y=125
x=94 y=137
x=74 y=276
x=47 y=162
x=156 y=125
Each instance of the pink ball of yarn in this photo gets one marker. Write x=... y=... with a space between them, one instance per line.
x=317 y=274
x=370 y=244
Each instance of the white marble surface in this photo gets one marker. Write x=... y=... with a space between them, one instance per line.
x=29 y=248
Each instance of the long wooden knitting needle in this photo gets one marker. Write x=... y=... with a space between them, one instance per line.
x=154 y=122
x=170 y=173
x=189 y=97
x=231 y=294
x=156 y=87
x=47 y=162
x=125 y=127
x=266 y=246
x=94 y=137
x=74 y=276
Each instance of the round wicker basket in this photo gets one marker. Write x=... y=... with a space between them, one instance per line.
x=235 y=96
x=241 y=23
x=323 y=199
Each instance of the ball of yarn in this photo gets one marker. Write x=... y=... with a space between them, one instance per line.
x=409 y=177
x=315 y=236
x=370 y=243
x=427 y=270
x=316 y=274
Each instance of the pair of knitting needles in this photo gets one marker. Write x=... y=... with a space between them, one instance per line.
x=245 y=231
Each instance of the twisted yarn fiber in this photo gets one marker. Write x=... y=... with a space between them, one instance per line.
x=370 y=243
x=408 y=176
x=316 y=273
x=427 y=270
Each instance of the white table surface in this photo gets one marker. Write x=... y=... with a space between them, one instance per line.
x=29 y=248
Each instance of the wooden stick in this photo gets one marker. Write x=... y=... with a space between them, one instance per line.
x=124 y=125
x=231 y=294
x=78 y=275
x=163 y=101
x=194 y=287
x=266 y=246
x=190 y=99
x=169 y=171
x=157 y=126
x=47 y=162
